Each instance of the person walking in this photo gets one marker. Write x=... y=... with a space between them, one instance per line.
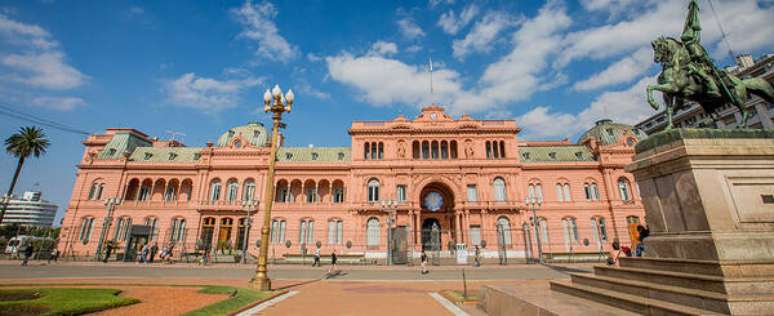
x=333 y=262
x=108 y=251
x=143 y=257
x=153 y=251
x=643 y=233
x=27 y=253
x=316 y=258
x=423 y=260
x=477 y=257
x=54 y=255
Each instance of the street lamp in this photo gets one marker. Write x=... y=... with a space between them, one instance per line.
x=249 y=207
x=389 y=207
x=534 y=203
x=277 y=104
x=110 y=205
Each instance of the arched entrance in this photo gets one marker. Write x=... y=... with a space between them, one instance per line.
x=437 y=220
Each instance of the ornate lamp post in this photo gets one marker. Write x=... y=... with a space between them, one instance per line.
x=275 y=103
x=249 y=206
x=534 y=203
x=389 y=207
x=110 y=205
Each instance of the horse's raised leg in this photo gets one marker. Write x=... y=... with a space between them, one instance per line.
x=669 y=105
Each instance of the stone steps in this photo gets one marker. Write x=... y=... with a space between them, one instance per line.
x=706 y=300
x=704 y=267
x=630 y=302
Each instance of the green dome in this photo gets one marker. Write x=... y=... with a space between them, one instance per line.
x=607 y=132
x=253 y=133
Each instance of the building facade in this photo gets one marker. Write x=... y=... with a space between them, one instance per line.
x=448 y=181
x=693 y=116
x=30 y=210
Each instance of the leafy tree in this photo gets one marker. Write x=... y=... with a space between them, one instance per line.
x=28 y=141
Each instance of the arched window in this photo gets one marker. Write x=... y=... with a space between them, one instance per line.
x=415 y=149
x=535 y=191
x=122 y=229
x=278 y=231
x=599 y=230
x=171 y=193
x=488 y=150
x=559 y=192
x=178 y=230
x=502 y=149
x=624 y=189
x=444 y=150
x=231 y=190
x=87 y=225
x=306 y=232
x=381 y=151
x=248 y=192
x=570 y=228
x=366 y=150
x=591 y=190
x=215 y=190
x=335 y=232
x=152 y=224
x=453 y=149
x=504 y=231
x=434 y=149
x=373 y=151
x=495 y=150
x=543 y=226
x=499 y=189
x=95 y=193
x=372 y=231
x=567 y=193
x=425 y=150
x=145 y=190
x=373 y=190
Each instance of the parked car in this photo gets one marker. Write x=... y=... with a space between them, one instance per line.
x=17 y=244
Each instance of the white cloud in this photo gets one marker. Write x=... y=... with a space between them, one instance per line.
x=382 y=48
x=258 y=25
x=409 y=28
x=482 y=35
x=516 y=76
x=207 y=94
x=626 y=106
x=34 y=58
x=434 y=3
x=306 y=89
x=45 y=70
x=452 y=23
x=59 y=103
x=606 y=5
x=624 y=70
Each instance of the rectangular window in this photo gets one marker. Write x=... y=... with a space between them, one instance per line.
x=401 y=193
x=472 y=193
x=475 y=235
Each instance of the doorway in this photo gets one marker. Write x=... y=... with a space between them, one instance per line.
x=431 y=235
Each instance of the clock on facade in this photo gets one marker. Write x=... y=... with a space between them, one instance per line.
x=433 y=201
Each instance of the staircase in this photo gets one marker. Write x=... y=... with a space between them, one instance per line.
x=673 y=287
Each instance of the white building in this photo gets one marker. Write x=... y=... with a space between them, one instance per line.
x=30 y=210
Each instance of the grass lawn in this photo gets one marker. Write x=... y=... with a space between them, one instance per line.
x=239 y=298
x=456 y=296
x=59 y=301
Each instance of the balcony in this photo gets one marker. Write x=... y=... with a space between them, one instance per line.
x=154 y=205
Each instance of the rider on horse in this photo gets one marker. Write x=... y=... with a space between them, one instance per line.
x=701 y=65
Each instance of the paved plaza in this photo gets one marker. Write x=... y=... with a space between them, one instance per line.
x=355 y=290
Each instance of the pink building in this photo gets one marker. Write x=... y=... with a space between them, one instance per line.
x=451 y=181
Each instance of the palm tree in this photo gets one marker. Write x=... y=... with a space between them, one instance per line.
x=28 y=141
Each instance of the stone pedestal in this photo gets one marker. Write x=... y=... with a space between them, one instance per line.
x=709 y=203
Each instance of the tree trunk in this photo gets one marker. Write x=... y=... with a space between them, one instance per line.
x=4 y=206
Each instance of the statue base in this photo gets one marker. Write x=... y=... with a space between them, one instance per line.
x=709 y=204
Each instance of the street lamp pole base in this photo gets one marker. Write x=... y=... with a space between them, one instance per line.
x=263 y=284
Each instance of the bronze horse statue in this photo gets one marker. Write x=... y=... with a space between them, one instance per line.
x=677 y=84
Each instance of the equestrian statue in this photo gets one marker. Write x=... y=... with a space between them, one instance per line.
x=688 y=73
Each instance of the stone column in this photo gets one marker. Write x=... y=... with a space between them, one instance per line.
x=457 y=226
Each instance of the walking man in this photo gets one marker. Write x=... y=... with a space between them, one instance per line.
x=423 y=258
x=108 y=251
x=54 y=255
x=333 y=262
x=27 y=254
x=316 y=258
x=477 y=257
x=153 y=250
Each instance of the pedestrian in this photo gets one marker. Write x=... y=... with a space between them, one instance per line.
x=643 y=233
x=477 y=257
x=316 y=258
x=423 y=258
x=153 y=250
x=333 y=262
x=54 y=255
x=27 y=253
x=108 y=251
x=143 y=257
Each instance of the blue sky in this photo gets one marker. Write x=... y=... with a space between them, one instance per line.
x=200 y=67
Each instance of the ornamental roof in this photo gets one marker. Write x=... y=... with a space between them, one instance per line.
x=607 y=132
x=253 y=133
x=122 y=142
x=555 y=153
x=166 y=154
x=314 y=154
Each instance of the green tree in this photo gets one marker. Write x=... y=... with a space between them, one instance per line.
x=28 y=141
